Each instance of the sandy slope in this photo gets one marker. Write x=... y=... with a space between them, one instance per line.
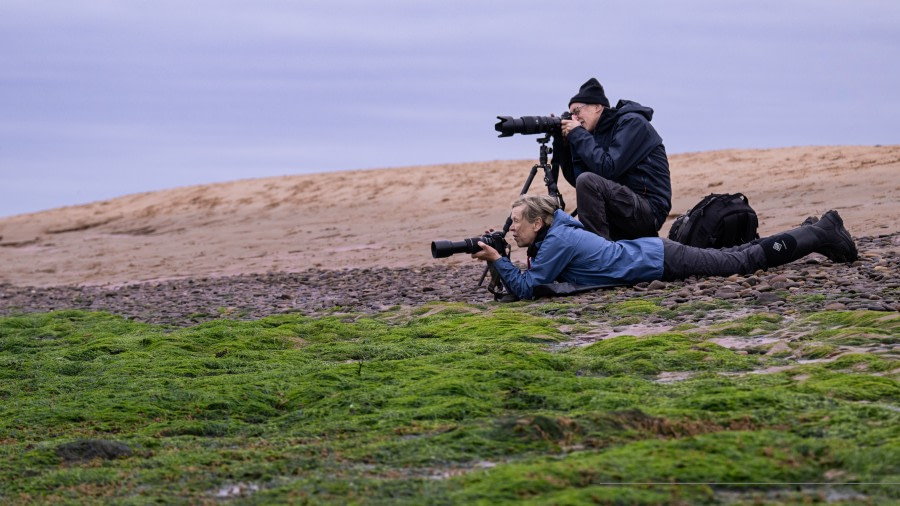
x=389 y=217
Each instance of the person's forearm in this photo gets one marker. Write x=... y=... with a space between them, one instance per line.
x=519 y=283
x=592 y=157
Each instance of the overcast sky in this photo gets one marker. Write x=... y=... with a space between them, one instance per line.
x=101 y=98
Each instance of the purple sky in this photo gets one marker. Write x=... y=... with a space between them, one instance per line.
x=102 y=98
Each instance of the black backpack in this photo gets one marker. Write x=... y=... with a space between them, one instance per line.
x=718 y=221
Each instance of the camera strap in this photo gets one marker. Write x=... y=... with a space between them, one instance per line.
x=496 y=286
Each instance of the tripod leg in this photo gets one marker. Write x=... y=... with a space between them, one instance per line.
x=529 y=180
x=552 y=189
x=484 y=274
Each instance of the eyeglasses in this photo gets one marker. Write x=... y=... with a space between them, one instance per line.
x=576 y=111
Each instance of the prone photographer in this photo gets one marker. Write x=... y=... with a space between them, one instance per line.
x=617 y=163
x=560 y=249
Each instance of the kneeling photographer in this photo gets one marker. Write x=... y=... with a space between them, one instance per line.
x=617 y=164
x=560 y=249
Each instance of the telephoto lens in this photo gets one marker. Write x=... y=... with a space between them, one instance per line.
x=528 y=125
x=443 y=249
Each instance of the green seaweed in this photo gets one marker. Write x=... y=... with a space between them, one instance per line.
x=651 y=355
x=444 y=403
x=754 y=324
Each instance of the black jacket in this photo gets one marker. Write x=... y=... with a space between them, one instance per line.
x=624 y=148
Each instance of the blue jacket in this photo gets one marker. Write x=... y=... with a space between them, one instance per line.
x=572 y=254
x=624 y=148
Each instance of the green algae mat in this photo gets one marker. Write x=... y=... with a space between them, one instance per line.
x=451 y=404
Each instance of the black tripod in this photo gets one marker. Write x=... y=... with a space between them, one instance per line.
x=496 y=285
x=549 y=180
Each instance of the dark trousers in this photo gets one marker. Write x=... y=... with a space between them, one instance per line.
x=613 y=211
x=681 y=261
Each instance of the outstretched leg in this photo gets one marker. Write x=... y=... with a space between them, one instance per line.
x=826 y=236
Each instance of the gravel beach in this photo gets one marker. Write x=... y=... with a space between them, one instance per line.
x=808 y=285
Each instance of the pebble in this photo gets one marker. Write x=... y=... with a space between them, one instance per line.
x=763 y=287
x=657 y=285
x=726 y=293
x=767 y=298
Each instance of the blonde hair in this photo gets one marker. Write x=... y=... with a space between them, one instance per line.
x=537 y=207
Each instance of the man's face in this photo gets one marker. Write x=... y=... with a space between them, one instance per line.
x=523 y=232
x=586 y=114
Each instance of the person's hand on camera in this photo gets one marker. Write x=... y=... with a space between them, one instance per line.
x=487 y=253
x=567 y=125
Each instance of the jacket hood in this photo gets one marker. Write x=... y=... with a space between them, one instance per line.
x=628 y=106
x=611 y=116
x=564 y=219
x=560 y=219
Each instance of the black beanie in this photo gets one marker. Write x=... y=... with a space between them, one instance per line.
x=591 y=92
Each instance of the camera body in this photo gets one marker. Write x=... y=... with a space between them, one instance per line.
x=528 y=125
x=443 y=249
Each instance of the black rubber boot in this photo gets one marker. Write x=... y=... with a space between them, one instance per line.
x=835 y=241
x=826 y=236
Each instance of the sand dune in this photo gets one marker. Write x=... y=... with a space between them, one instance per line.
x=388 y=217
